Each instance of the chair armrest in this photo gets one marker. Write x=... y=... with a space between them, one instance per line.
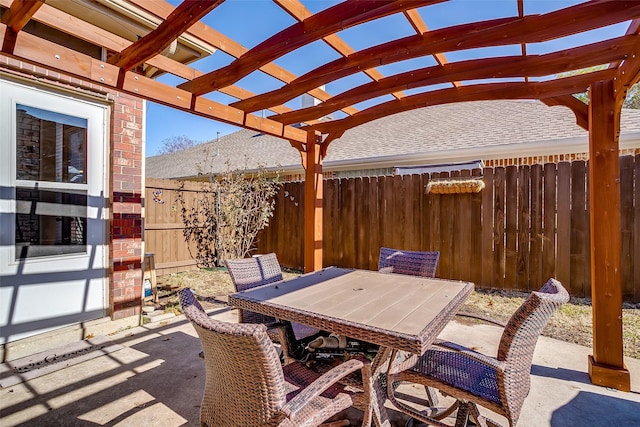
x=326 y=380
x=482 y=318
x=478 y=357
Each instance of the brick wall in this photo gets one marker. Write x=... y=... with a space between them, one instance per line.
x=125 y=183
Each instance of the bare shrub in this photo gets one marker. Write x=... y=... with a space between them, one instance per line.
x=228 y=214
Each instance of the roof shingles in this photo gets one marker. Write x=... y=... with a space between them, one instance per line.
x=426 y=130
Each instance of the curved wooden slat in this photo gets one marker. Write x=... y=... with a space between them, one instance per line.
x=298 y=11
x=322 y=24
x=184 y=16
x=229 y=46
x=628 y=71
x=498 y=32
x=511 y=66
x=480 y=92
x=66 y=23
x=34 y=50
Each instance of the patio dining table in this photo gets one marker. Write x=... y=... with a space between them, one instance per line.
x=394 y=311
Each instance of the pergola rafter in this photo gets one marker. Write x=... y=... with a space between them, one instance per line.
x=315 y=27
x=478 y=92
x=298 y=11
x=499 y=32
x=135 y=65
x=509 y=66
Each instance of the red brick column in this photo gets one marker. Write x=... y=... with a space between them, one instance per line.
x=126 y=208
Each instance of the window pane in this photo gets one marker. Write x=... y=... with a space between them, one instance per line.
x=50 y=146
x=50 y=222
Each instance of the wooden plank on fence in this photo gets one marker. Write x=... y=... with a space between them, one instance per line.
x=434 y=220
x=549 y=226
x=535 y=258
x=414 y=227
x=374 y=222
x=396 y=215
x=511 y=208
x=385 y=189
x=402 y=202
x=475 y=225
x=524 y=227
x=446 y=232
x=290 y=251
x=361 y=220
x=499 y=228
x=453 y=231
x=579 y=227
x=626 y=226
x=486 y=255
x=330 y=218
x=465 y=253
x=563 y=233
x=347 y=222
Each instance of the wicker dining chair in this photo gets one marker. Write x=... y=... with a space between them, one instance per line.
x=246 y=385
x=414 y=263
x=500 y=384
x=247 y=273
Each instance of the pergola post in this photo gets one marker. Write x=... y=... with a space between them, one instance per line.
x=606 y=365
x=313 y=195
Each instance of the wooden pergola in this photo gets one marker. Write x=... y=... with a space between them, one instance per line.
x=612 y=67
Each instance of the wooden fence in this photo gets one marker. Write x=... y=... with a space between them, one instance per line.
x=529 y=223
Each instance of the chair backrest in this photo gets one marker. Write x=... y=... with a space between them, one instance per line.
x=519 y=340
x=413 y=263
x=244 y=379
x=247 y=273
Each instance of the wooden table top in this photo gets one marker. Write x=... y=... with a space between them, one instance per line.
x=393 y=310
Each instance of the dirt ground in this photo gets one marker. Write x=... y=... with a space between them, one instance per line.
x=572 y=323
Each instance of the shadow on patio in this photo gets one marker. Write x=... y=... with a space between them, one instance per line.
x=156 y=379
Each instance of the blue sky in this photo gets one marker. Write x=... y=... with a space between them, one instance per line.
x=264 y=18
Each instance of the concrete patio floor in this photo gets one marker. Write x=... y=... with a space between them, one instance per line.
x=152 y=376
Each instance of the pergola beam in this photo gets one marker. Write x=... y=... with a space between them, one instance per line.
x=20 y=12
x=69 y=24
x=53 y=56
x=480 y=92
x=498 y=32
x=510 y=66
x=322 y=24
x=299 y=12
x=15 y=18
x=228 y=46
x=184 y=16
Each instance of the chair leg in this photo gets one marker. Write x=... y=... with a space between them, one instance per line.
x=432 y=396
x=463 y=414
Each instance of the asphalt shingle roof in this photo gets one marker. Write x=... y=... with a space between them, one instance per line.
x=426 y=130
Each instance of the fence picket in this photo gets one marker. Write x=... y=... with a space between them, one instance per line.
x=524 y=228
x=511 y=217
x=578 y=228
